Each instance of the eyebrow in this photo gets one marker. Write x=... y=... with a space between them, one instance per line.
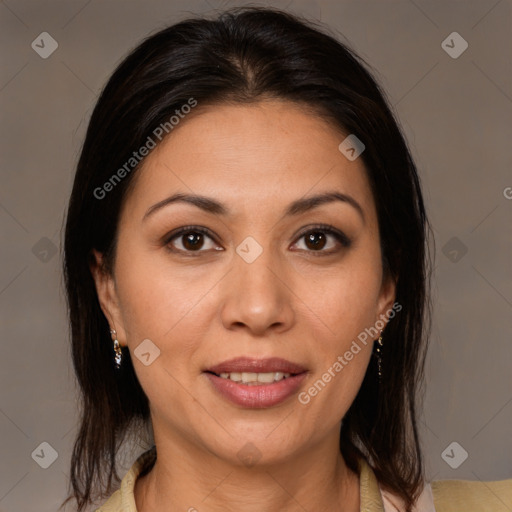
x=297 y=207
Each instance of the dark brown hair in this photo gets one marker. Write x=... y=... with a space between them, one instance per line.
x=246 y=55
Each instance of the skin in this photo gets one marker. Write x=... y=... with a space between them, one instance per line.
x=292 y=302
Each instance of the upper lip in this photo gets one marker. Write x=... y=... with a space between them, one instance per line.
x=248 y=364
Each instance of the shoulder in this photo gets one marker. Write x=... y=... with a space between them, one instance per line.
x=438 y=496
x=472 y=496
x=123 y=500
x=113 y=504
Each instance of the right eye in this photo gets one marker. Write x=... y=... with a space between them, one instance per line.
x=190 y=239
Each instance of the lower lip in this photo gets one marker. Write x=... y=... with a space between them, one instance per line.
x=257 y=396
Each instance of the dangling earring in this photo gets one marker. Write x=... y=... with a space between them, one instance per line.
x=117 y=349
x=378 y=352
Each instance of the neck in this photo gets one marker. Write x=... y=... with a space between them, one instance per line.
x=186 y=478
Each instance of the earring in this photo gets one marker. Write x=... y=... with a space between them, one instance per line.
x=378 y=352
x=117 y=349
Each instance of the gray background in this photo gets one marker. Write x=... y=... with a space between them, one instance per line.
x=456 y=114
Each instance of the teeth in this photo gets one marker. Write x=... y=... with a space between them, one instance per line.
x=252 y=379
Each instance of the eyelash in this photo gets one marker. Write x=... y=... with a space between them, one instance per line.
x=343 y=239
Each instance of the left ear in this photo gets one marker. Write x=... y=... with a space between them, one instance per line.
x=387 y=296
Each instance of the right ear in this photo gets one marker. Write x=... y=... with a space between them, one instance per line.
x=107 y=295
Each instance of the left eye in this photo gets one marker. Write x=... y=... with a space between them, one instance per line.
x=317 y=240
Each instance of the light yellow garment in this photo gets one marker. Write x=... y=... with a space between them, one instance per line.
x=449 y=495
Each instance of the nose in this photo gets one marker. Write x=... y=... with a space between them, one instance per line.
x=257 y=296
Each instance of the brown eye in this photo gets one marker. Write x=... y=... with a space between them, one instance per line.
x=315 y=240
x=193 y=241
x=323 y=240
x=190 y=239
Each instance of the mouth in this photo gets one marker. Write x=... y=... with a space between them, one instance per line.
x=253 y=378
x=256 y=383
x=252 y=371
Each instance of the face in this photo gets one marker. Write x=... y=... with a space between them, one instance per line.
x=254 y=271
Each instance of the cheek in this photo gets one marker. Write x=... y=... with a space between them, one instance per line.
x=155 y=296
x=343 y=305
x=162 y=304
x=342 y=360
x=345 y=299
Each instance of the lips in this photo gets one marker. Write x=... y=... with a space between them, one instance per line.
x=247 y=364
x=256 y=395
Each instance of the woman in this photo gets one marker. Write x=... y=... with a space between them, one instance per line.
x=247 y=273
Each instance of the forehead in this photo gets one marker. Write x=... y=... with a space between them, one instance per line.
x=261 y=154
